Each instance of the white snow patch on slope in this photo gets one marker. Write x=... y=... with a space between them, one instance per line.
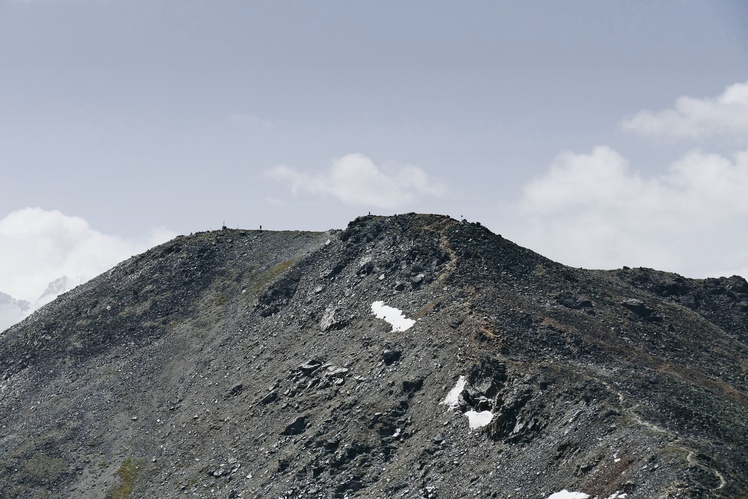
x=475 y=419
x=565 y=494
x=478 y=419
x=452 y=398
x=392 y=315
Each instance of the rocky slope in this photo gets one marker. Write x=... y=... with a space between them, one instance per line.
x=252 y=364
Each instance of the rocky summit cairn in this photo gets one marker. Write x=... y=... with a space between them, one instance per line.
x=406 y=356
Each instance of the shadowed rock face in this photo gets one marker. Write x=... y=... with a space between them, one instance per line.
x=250 y=364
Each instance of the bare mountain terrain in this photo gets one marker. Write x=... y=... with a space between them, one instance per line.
x=405 y=356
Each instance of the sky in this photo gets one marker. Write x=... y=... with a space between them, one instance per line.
x=598 y=133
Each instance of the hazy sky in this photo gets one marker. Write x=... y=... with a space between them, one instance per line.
x=598 y=133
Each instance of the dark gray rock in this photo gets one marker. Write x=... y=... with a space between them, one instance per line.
x=297 y=427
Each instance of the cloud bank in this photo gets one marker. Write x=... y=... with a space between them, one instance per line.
x=725 y=116
x=356 y=180
x=38 y=246
x=592 y=210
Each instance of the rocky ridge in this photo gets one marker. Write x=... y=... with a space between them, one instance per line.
x=251 y=364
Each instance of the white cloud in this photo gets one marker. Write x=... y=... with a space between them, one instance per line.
x=592 y=210
x=355 y=179
x=725 y=116
x=38 y=246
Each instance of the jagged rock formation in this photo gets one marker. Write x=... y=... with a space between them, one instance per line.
x=252 y=364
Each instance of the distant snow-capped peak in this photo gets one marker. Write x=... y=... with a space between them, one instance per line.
x=56 y=288
x=13 y=310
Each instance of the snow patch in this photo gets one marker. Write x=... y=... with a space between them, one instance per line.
x=617 y=495
x=392 y=315
x=478 y=419
x=453 y=397
x=475 y=419
x=565 y=494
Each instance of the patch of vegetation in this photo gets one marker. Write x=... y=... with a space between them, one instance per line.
x=540 y=270
x=265 y=278
x=128 y=473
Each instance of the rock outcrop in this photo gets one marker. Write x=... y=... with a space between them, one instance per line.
x=406 y=356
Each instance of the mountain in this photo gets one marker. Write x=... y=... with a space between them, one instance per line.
x=57 y=287
x=13 y=311
x=405 y=356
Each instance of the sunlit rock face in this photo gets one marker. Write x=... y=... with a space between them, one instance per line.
x=405 y=356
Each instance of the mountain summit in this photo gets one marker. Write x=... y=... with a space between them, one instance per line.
x=405 y=356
